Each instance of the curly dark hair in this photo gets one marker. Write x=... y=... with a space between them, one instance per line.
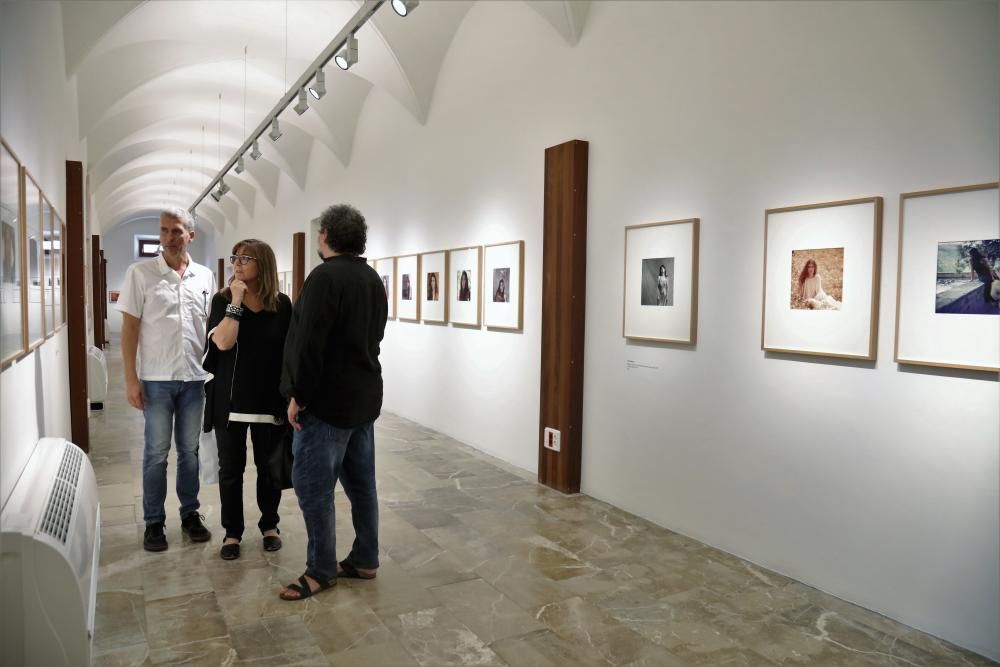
x=346 y=231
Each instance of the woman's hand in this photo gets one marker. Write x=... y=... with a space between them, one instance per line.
x=293 y=415
x=239 y=289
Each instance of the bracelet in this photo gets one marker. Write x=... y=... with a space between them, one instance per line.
x=235 y=312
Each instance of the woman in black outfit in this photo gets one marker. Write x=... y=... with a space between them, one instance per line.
x=246 y=336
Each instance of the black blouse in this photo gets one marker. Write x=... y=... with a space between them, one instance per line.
x=247 y=376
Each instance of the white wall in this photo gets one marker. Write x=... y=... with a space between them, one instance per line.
x=38 y=119
x=120 y=251
x=875 y=483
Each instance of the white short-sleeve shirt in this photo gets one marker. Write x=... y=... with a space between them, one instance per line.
x=173 y=313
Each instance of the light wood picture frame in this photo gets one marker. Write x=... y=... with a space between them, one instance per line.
x=503 y=267
x=821 y=279
x=434 y=287
x=660 y=290
x=943 y=315
x=408 y=288
x=48 y=271
x=465 y=293
x=386 y=268
x=32 y=254
x=13 y=334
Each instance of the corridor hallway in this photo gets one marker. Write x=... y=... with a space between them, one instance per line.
x=480 y=566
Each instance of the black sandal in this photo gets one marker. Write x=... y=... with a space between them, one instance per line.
x=272 y=543
x=230 y=551
x=350 y=572
x=304 y=590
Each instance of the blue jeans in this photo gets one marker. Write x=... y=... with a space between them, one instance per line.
x=171 y=406
x=323 y=454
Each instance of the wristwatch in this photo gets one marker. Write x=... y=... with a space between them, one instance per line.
x=235 y=312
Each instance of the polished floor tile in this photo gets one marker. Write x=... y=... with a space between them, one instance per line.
x=480 y=566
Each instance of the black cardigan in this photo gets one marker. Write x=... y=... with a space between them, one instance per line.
x=247 y=376
x=331 y=361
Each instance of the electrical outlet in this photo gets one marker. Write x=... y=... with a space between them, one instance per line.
x=551 y=439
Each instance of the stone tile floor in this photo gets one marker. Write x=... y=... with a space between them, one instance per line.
x=480 y=566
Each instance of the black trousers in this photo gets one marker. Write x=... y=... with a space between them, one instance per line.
x=232 y=443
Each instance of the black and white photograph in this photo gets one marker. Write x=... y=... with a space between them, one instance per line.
x=407 y=294
x=501 y=285
x=385 y=284
x=657 y=281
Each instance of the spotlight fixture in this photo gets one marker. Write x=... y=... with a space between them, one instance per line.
x=240 y=166
x=303 y=105
x=255 y=151
x=404 y=7
x=318 y=89
x=223 y=188
x=216 y=195
x=275 y=132
x=348 y=55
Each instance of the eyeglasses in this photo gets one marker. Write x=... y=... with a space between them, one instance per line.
x=242 y=259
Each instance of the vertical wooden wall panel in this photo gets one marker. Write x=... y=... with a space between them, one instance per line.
x=220 y=276
x=76 y=306
x=96 y=283
x=564 y=284
x=298 y=263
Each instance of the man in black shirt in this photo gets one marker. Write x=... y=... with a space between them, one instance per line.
x=333 y=382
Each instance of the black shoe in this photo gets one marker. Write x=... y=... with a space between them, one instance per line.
x=195 y=529
x=272 y=543
x=230 y=551
x=154 y=539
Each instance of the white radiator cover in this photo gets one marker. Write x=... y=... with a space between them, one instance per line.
x=50 y=552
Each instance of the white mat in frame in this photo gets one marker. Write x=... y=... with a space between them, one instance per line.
x=386 y=268
x=503 y=285
x=433 y=286
x=465 y=286
x=408 y=288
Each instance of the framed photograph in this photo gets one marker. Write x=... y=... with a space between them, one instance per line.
x=47 y=262
x=386 y=268
x=408 y=288
x=948 y=282
x=821 y=279
x=503 y=285
x=34 y=261
x=59 y=303
x=464 y=286
x=113 y=296
x=661 y=282
x=434 y=286
x=12 y=334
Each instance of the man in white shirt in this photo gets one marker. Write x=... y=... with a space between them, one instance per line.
x=164 y=304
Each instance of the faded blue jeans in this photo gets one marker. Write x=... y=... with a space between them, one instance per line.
x=171 y=408
x=322 y=454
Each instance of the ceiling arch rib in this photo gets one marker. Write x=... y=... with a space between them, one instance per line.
x=163 y=171
x=90 y=21
x=566 y=16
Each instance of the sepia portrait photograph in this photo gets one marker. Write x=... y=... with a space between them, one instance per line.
x=968 y=278
x=433 y=286
x=817 y=279
x=464 y=286
x=407 y=293
x=657 y=282
x=501 y=282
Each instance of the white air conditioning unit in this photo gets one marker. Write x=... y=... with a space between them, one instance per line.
x=97 y=377
x=50 y=547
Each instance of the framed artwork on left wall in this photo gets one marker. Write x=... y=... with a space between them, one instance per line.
x=12 y=334
x=821 y=279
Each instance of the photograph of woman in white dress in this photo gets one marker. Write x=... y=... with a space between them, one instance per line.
x=657 y=282
x=817 y=288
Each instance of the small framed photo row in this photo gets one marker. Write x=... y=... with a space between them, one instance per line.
x=948 y=285
x=661 y=282
x=503 y=283
x=465 y=286
x=386 y=268
x=433 y=282
x=821 y=279
x=408 y=288
x=12 y=316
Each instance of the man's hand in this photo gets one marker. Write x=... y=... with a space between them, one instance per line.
x=133 y=391
x=238 y=289
x=293 y=415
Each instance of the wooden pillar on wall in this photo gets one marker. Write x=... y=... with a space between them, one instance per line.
x=220 y=276
x=104 y=295
x=298 y=263
x=76 y=307
x=96 y=284
x=564 y=283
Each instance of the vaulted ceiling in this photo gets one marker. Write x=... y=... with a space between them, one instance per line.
x=150 y=75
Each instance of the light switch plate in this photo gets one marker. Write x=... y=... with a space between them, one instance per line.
x=551 y=439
